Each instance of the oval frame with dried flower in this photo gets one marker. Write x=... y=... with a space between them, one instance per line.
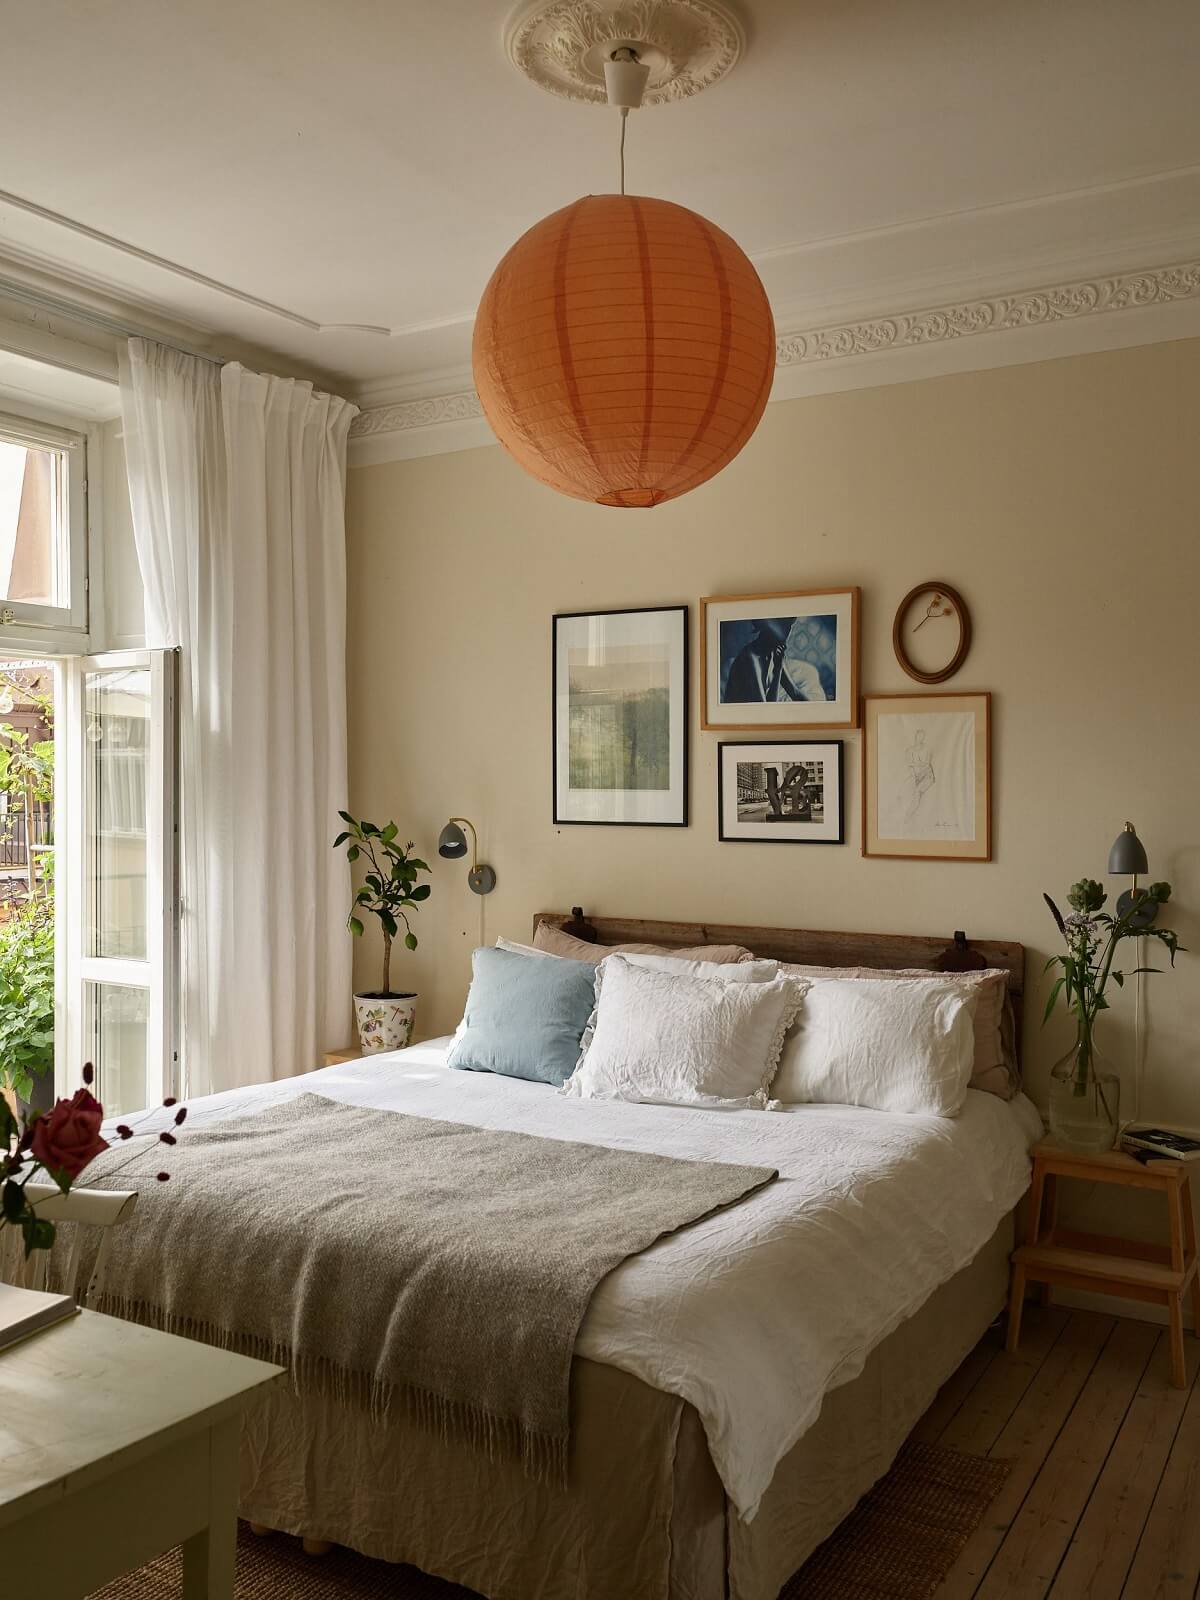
x=948 y=602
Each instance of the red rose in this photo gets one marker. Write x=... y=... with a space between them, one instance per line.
x=67 y=1138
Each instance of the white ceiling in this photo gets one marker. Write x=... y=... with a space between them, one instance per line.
x=356 y=162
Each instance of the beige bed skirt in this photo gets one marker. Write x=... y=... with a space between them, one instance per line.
x=645 y=1516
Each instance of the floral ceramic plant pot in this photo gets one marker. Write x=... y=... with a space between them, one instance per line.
x=385 y=1021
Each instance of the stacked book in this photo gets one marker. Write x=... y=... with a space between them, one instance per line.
x=26 y=1311
x=1161 y=1142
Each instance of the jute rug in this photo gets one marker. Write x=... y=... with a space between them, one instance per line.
x=903 y=1537
x=898 y=1544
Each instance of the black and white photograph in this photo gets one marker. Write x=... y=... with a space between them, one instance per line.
x=781 y=660
x=620 y=717
x=782 y=793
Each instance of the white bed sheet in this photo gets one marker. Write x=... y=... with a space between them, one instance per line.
x=754 y=1314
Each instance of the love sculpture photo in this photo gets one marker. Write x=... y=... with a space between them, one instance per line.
x=781 y=793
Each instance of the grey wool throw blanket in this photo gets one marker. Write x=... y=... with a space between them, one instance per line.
x=398 y=1261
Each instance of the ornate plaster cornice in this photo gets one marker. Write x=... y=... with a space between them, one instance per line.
x=1030 y=308
x=992 y=314
x=460 y=407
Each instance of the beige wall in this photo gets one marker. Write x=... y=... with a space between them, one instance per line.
x=1061 y=498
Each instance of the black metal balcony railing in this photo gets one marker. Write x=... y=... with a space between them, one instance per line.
x=14 y=847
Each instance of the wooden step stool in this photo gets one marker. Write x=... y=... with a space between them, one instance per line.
x=1162 y=1275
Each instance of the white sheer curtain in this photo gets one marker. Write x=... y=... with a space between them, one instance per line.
x=237 y=483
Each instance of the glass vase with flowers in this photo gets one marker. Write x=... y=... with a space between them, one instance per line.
x=1085 y=1109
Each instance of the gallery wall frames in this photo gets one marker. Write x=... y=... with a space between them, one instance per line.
x=926 y=780
x=620 y=716
x=781 y=792
x=780 y=662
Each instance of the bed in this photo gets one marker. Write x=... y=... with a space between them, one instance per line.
x=736 y=1387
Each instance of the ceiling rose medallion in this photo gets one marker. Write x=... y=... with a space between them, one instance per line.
x=624 y=347
x=562 y=45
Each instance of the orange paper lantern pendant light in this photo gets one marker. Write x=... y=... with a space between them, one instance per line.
x=624 y=350
x=624 y=347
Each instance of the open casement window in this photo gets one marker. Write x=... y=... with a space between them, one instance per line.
x=118 y=903
x=43 y=527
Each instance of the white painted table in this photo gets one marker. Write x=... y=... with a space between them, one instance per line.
x=117 y=1443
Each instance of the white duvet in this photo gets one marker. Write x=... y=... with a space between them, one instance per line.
x=754 y=1314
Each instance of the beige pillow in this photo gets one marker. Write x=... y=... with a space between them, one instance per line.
x=557 y=943
x=995 y=1069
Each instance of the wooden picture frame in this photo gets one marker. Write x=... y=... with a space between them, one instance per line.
x=949 y=603
x=630 y=652
x=782 y=820
x=749 y=635
x=927 y=777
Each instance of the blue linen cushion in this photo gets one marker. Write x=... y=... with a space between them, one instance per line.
x=524 y=1017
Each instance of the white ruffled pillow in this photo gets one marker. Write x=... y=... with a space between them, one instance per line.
x=757 y=971
x=671 y=1039
x=905 y=1045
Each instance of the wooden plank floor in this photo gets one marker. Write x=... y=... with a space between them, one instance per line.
x=1103 y=1498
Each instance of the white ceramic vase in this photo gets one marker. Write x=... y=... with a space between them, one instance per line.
x=385 y=1022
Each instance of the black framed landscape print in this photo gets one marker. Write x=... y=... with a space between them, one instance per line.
x=620 y=717
x=781 y=793
x=780 y=662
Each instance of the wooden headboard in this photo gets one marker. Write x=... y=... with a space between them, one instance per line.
x=812 y=946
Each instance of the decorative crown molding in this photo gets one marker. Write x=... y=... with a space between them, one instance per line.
x=427 y=413
x=992 y=314
x=884 y=337
x=561 y=45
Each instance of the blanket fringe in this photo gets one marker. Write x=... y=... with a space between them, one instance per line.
x=542 y=1456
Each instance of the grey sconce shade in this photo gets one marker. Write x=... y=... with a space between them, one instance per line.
x=452 y=845
x=452 y=842
x=1128 y=855
x=1125 y=860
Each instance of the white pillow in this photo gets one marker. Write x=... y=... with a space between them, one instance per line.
x=525 y=949
x=667 y=1039
x=995 y=1070
x=761 y=971
x=711 y=971
x=904 y=1045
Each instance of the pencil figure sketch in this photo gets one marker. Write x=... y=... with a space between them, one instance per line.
x=926 y=779
x=920 y=777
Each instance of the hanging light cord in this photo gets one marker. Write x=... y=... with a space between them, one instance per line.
x=1139 y=1057
x=624 y=120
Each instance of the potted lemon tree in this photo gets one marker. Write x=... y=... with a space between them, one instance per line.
x=389 y=891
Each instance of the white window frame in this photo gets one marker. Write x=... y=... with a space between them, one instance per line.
x=44 y=629
x=158 y=974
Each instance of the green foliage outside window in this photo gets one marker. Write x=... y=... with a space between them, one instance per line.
x=27 y=995
x=27 y=926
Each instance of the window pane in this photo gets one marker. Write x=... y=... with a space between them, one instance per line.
x=117 y=738
x=116 y=1030
x=32 y=492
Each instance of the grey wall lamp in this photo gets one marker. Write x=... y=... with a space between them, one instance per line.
x=452 y=844
x=1125 y=860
